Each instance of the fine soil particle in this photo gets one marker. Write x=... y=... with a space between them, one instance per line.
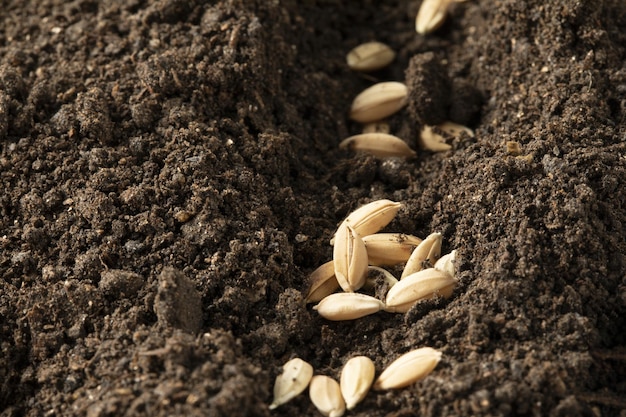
x=170 y=175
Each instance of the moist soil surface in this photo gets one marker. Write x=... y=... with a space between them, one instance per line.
x=170 y=175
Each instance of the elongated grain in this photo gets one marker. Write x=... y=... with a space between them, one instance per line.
x=427 y=252
x=372 y=217
x=325 y=394
x=356 y=379
x=349 y=258
x=291 y=382
x=348 y=306
x=431 y=15
x=322 y=282
x=390 y=248
x=379 y=101
x=380 y=145
x=421 y=285
x=408 y=368
x=370 y=56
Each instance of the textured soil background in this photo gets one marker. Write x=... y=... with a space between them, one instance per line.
x=170 y=175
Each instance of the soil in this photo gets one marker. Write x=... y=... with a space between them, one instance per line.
x=170 y=176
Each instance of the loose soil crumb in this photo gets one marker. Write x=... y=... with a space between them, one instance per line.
x=170 y=176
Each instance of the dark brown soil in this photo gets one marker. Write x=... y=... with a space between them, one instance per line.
x=170 y=175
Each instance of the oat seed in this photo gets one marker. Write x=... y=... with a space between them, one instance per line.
x=348 y=306
x=433 y=138
x=326 y=396
x=421 y=285
x=371 y=217
x=370 y=56
x=390 y=248
x=408 y=368
x=381 y=145
x=322 y=283
x=379 y=101
x=427 y=252
x=349 y=258
x=356 y=379
x=455 y=129
x=432 y=141
x=431 y=15
x=295 y=378
x=446 y=263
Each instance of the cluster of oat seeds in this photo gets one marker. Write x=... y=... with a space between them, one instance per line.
x=383 y=99
x=333 y=398
x=358 y=248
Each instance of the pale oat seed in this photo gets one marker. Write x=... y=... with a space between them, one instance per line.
x=370 y=56
x=421 y=285
x=408 y=368
x=294 y=379
x=379 y=101
x=356 y=379
x=326 y=396
x=348 y=306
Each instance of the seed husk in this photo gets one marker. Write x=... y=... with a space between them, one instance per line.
x=370 y=56
x=356 y=379
x=371 y=217
x=322 y=283
x=446 y=263
x=379 y=101
x=408 y=368
x=348 y=306
x=428 y=250
x=421 y=285
x=381 y=145
x=390 y=248
x=292 y=381
x=349 y=258
x=325 y=394
x=431 y=15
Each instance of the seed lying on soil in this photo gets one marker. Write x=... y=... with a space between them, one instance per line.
x=427 y=252
x=371 y=217
x=446 y=263
x=326 y=396
x=421 y=285
x=370 y=56
x=455 y=129
x=349 y=258
x=431 y=15
x=432 y=141
x=390 y=248
x=379 y=101
x=356 y=379
x=348 y=306
x=295 y=377
x=322 y=283
x=381 y=145
x=432 y=137
x=408 y=368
